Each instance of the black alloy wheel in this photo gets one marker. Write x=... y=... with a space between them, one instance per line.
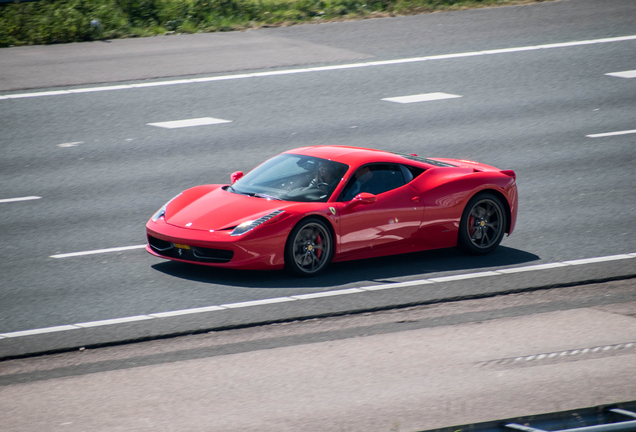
x=309 y=248
x=482 y=225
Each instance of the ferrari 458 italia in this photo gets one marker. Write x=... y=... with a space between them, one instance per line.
x=307 y=207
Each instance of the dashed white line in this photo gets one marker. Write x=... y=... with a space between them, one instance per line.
x=98 y=251
x=561 y=354
x=309 y=296
x=601 y=135
x=624 y=74
x=426 y=97
x=27 y=198
x=323 y=68
x=70 y=144
x=203 y=121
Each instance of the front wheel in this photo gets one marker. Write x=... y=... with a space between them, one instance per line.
x=482 y=225
x=309 y=248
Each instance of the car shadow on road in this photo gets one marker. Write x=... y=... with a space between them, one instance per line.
x=412 y=266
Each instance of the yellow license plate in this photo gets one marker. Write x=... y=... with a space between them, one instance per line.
x=180 y=246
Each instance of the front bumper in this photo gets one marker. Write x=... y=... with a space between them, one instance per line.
x=260 y=249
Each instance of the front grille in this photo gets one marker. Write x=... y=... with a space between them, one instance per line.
x=159 y=245
x=195 y=254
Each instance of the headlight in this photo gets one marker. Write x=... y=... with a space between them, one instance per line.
x=250 y=225
x=162 y=210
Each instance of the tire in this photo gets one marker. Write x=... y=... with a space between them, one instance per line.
x=483 y=224
x=309 y=248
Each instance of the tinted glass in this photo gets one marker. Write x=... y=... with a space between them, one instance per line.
x=374 y=179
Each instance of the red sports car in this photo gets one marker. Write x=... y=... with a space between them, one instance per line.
x=309 y=206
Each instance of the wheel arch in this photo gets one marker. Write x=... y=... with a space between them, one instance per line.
x=503 y=200
x=321 y=218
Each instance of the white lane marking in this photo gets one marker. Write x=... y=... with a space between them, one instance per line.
x=531 y=268
x=327 y=294
x=553 y=355
x=113 y=321
x=598 y=259
x=27 y=198
x=257 y=302
x=601 y=135
x=397 y=285
x=53 y=329
x=313 y=295
x=426 y=97
x=323 y=68
x=624 y=74
x=70 y=144
x=465 y=276
x=186 y=311
x=203 y=121
x=98 y=251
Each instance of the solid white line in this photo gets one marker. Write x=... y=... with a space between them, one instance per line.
x=397 y=285
x=324 y=68
x=531 y=268
x=309 y=296
x=327 y=294
x=203 y=121
x=464 y=276
x=426 y=97
x=624 y=74
x=98 y=251
x=186 y=311
x=601 y=135
x=28 y=198
x=257 y=302
x=114 y=321
x=39 y=331
x=598 y=259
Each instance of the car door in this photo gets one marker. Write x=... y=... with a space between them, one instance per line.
x=391 y=221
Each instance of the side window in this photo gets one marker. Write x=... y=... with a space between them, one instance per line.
x=410 y=172
x=375 y=179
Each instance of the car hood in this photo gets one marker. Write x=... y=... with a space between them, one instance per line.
x=212 y=208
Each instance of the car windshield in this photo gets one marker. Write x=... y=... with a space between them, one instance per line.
x=291 y=177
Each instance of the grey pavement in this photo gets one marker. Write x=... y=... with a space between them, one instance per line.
x=359 y=373
x=379 y=38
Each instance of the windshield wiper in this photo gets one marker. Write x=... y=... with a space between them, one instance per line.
x=262 y=195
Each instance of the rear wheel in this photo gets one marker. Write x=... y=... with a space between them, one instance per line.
x=482 y=225
x=309 y=248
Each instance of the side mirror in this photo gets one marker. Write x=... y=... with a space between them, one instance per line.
x=235 y=176
x=362 y=198
x=365 y=198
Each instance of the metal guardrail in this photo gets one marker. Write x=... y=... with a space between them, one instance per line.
x=620 y=417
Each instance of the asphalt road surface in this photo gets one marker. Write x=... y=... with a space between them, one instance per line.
x=402 y=370
x=92 y=170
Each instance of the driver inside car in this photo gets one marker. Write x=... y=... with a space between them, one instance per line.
x=326 y=178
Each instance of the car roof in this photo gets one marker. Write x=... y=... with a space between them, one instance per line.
x=354 y=156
